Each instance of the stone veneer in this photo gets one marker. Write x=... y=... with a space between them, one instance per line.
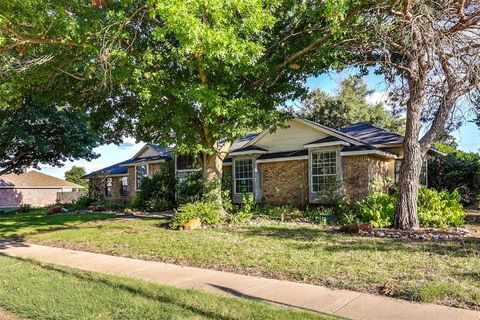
x=359 y=172
x=284 y=182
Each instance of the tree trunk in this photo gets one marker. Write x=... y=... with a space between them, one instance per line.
x=406 y=215
x=212 y=177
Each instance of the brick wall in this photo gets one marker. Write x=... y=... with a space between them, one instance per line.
x=359 y=172
x=33 y=197
x=285 y=182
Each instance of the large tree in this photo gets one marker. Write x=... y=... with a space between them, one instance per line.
x=349 y=106
x=34 y=134
x=197 y=74
x=429 y=50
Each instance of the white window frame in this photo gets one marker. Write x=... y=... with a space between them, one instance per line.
x=147 y=174
x=109 y=184
x=235 y=179
x=122 y=193
x=310 y=169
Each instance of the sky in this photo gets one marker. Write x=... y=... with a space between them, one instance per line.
x=468 y=136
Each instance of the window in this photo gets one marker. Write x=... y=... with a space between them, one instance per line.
x=324 y=171
x=141 y=171
x=187 y=162
x=124 y=186
x=243 y=176
x=108 y=189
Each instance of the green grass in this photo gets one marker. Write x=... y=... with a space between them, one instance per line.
x=21 y=224
x=419 y=271
x=41 y=291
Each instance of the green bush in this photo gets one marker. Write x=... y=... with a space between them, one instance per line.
x=24 y=207
x=440 y=209
x=81 y=203
x=190 y=188
x=435 y=209
x=378 y=209
x=321 y=215
x=458 y=170
x=158 y=192
x=245 y=212
x=206 y=211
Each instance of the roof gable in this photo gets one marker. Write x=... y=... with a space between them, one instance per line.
x=35 y=179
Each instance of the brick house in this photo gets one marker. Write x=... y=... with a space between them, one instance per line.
x=34 y=188
x=293 y=165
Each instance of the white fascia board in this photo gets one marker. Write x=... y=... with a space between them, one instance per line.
x=246 y=152
x=227 y=163
x=282 y=159
x=327 y=144
x=366 y=152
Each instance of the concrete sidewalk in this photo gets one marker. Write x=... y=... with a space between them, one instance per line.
x=343 y=303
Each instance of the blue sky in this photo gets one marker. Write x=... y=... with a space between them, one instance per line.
x=468 y=136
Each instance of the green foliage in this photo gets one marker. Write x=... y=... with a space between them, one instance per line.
x=245 y=212
x=43 y=134
x=157 y=193
x=183 y=73
x=190 y=188
x=281 y=213
x=457 y=170
x=206 y=211
x=378 y=209
x=435 y=209
x=24 y=207
x=321 y=215
x=348 y=107
x=440 y=209
x=81 y=203
x=75 y=175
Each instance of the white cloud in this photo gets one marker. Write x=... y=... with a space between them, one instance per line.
x=377 y=97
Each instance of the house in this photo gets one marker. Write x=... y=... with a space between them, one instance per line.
x=33 y=188
x=296 y=165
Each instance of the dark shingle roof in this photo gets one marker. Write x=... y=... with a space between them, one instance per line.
x=147 y=159
x=239 y=143
x=371 y=134
x=326 y=139
x=111 y=170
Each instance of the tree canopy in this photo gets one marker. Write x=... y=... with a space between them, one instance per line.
x=75 y=175
x=349 y=106
x=197 y=74
x=34 y=134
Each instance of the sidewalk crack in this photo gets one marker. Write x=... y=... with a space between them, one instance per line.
x=346 y=304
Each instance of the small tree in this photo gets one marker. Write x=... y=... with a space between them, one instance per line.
x=75 y=175
x=431 y=50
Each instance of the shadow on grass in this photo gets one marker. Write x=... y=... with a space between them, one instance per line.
x=96 y=279
x=13 y=225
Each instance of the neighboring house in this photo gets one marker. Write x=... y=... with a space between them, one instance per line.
x=33 y=188
x=294 y=165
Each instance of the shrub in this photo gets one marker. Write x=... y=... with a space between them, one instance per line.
x=158 y=192
x=245 y=212
x=378 y=209
x=321 y=215
x=206 y=211
x=457 y=170
x=24 y=207
x=440 y=209
x=190 y=188
x=435 y=209
x=81 y=203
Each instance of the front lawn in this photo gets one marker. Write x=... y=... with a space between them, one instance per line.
x=439 y=272
x=41 y=291
x=21 y=224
